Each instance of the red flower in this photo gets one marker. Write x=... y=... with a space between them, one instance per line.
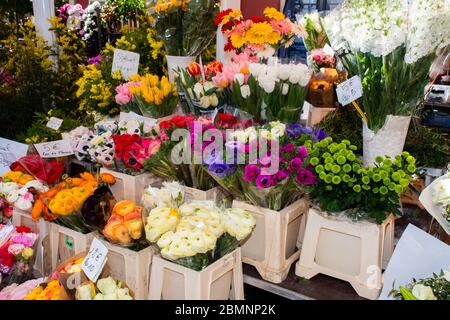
x=123 y=142
x=48 y=172
x=220 y=15
x=8 y=211
x=213 y=68
x=257 y=19
x=16 y=166
x=6 y=258
x=225 y=120
x=228 y=46
x=229 y=25
x=133 y=150
x=194 y=69
x=23 y=229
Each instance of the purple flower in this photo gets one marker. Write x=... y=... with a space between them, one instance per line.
x=288 y=148
x=293 y=130
x=305 y=177
x=302 y=152
x=251 y=171
x=263 y=181
x=295 y=164
x=282 y=174
x=319 y=135
x=222 y=169
x=95 y=60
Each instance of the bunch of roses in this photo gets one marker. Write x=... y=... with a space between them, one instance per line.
x=18 y=249
x=132 y=150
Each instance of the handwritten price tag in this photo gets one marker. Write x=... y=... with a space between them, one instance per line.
x=349 y=90
x=95 y=260
x=126 y=62
x=10 y=151
x=54 y=149
x=54 y=123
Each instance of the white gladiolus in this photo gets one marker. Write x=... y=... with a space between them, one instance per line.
x=245 y=91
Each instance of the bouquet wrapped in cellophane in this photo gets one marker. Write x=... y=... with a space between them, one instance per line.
x=186 y=26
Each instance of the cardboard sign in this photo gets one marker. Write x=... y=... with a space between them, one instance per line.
x=54 y=123
x=126 y=62
x=417 y=255
x=349 y=90
x=95 y=260
x=54 y=149
x=10 y=151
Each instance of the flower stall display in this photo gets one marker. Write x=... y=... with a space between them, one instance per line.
x=197 y=233
x=391 y=45
x=17 y=256
x=436 y=287
x=148 y=95
x=260 y=36
x=105 y=289
x=186 y=28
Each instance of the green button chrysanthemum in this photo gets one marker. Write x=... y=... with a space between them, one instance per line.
x=335 y=168
x=328 y=166
x=376 y=177
x=346 y=178
x=314 y=161
x=336 y=180
x=365 y=179
x=398 y=188
x=341 y=160
x=396 y=176
x=319 y=168
x=378 y=159
x=357 y=188
x=328 y=178
x=383 y=190
x=347 y=168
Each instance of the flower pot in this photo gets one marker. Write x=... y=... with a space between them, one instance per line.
x=171 y=281
x=355 y=252
x=271 y=248
x=389 y=140
x=175 y=62
x=321 y=92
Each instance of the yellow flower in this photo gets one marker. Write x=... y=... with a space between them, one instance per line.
x=237 y=40
x=117 y=75
x=273 y=13
x=235 y=14
x=27 y=253
x=262 y=32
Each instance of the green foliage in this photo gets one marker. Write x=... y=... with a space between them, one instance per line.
x=438 y=284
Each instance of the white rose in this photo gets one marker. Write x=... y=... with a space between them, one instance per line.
x=245 y=91
x=285 y=89
x=239 y=78
x=422 y=292
x=213 y=100
x=284 y=72
x=204 y=102
x=198 y=90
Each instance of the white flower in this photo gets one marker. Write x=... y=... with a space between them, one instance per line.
x=284 y=72
x=239 y=78
x=205 y=102
x=267 y=52
x=285 y=89
x=267 y=84
x=198 y=90
x=277 y=129
x=159 y=221
x=208 y=85
x=80 y=131
x=257 y=69
x=213 y=100
x=39 y=186
x=23 y=204
x=447 y=275
x=8 y=187
x=169 y=195
x=422 y=292
x=238 y=223
x=13 y=196
x=98 y=140
x=245 y=91
x=294 y=76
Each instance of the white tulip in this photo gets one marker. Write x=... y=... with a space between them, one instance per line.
x=213 y=100
x=284 y=71
x=198 y=90
x=239 y=78
x=268 y=85
x=294 y=76
x=285 y=89
x=204 y=102
x=245 y=91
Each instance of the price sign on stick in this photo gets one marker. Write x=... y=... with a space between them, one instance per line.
x=349 y=90
x=126 y=62
x=54 y=149
x=54 y=123
x=95 y=260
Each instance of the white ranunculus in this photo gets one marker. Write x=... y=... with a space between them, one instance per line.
x=204 y=102
x=36 y=184
x=245 y=91
x=8 y=187
x=422 y=292
x=198 y=90
x=238 y=223
x=285 y=89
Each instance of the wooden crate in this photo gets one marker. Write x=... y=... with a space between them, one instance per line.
x=221 y=280
x=42 y=227
x=315 y=115
x=271 y=248
x=65 y=243
x=351 y=251
x=131 y=267
x=411 y=194
x=79 y=166
x=215 y=194
x=128 y=187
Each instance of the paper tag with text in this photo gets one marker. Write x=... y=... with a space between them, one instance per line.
x=54 y=149
x=127 y=62
x=10 y=151
x=328 y=50
x=95 y=260
x=54 y=123
x=349 y=90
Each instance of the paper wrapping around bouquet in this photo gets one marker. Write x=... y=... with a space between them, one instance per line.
x=389 y=140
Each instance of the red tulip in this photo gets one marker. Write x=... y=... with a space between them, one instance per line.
x=194 y=69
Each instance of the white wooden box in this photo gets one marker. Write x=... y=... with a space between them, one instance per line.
x=131 y=267
x=42 y=227
x=351 y=251
x=221 y=280
x=128 y=187
x=215 y=194
x=315 y=115
x=271 y=248
x=65 y=243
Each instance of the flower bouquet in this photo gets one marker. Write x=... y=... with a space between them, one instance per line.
x=272 y=178
x=148 y=95
x=51 y=290
x=198 y=233
x=345 y=187
x=18 y=292
x=47 y=171
x=261 y=36
x=314 y=36
x=171 y=194
x=391 y=45
x=17 y=257
x=436 y=287
x=441 y=195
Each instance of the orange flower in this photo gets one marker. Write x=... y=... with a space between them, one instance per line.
x=108 y=178
x=87 y=176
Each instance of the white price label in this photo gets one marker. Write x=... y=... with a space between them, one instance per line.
x=54 y=123
x=54 y=149
x=126 y=62
x=349 y=90
x=95 y=260
x=328 y=50
x=10 y=151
